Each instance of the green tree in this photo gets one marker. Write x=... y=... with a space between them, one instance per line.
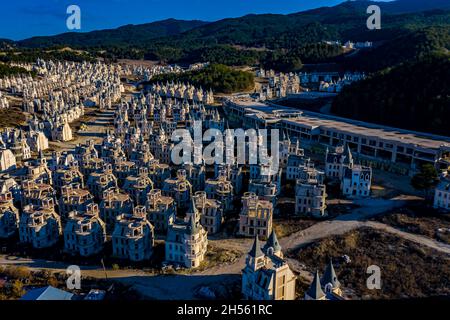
x=425 y=179
x=17 y=289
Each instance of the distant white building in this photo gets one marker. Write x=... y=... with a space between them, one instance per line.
x=357 y=181
x=336 y=161
x=442 y=193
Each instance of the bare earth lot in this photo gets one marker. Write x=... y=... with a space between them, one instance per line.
x=408 y=269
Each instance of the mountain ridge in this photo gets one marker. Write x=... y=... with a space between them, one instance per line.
x=135 y=34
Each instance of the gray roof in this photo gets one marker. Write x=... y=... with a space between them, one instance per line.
x=47 y=293
x=193 y=225
x=315 y=290
x=330 y=276
x=256 y=249
x=272 y=242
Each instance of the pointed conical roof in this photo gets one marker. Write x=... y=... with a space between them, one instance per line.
x=272 y=242
x=256 y=249
x=315 y=290
x=192 y=208
x=192 y=227
x=330 y=276
x=348 y=156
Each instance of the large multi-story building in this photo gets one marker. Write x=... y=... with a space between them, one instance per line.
x=310 y=198
x=196 y=175
x=179 y=188
x=369 y=141
x=187 y=242
x=234 y=174
x=310 y=192
x=40 y=226
x=114 y=203
x=210 y=212
x=84 y=232
x=100 y=181
x=9 y=215
x=264 y=183
x=161 y=211
x=138 y=186
x=158 y=172
x=73 y=198
x=221 y=189
x=255 y=217
x=133 y=236
x=36 y=194
x=67 y=176
x=337 y=161
x=355 y=180
x=122 y=170
x=38 y=171
x=267 y=275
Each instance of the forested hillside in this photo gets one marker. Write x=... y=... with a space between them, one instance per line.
x=220 y=78
x=413 y=95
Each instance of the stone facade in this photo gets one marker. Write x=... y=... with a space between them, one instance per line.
x=267 y=275
x=73 y=198
x=113 y=204
x=255 y=217
x=442 y=193
x=40 y=226
x=221 y=189
x=179 y=188
x=210 y=212
x=187 y=242
x=161 y=211
x=84 y=232
x=133 y=236
x=9 y=215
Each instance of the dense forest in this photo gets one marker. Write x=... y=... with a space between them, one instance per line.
x=7 y=70
x=31 y=55
x=408 y=46
x=414 y=95
x=218 y=77
x=285 y=41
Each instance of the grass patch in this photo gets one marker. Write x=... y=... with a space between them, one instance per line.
x=286 y=227
x=420 y=220
x=12 y=117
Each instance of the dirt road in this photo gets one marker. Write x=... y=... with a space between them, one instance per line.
x=183 y=286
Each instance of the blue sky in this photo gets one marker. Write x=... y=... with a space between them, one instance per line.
x=21 y=19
